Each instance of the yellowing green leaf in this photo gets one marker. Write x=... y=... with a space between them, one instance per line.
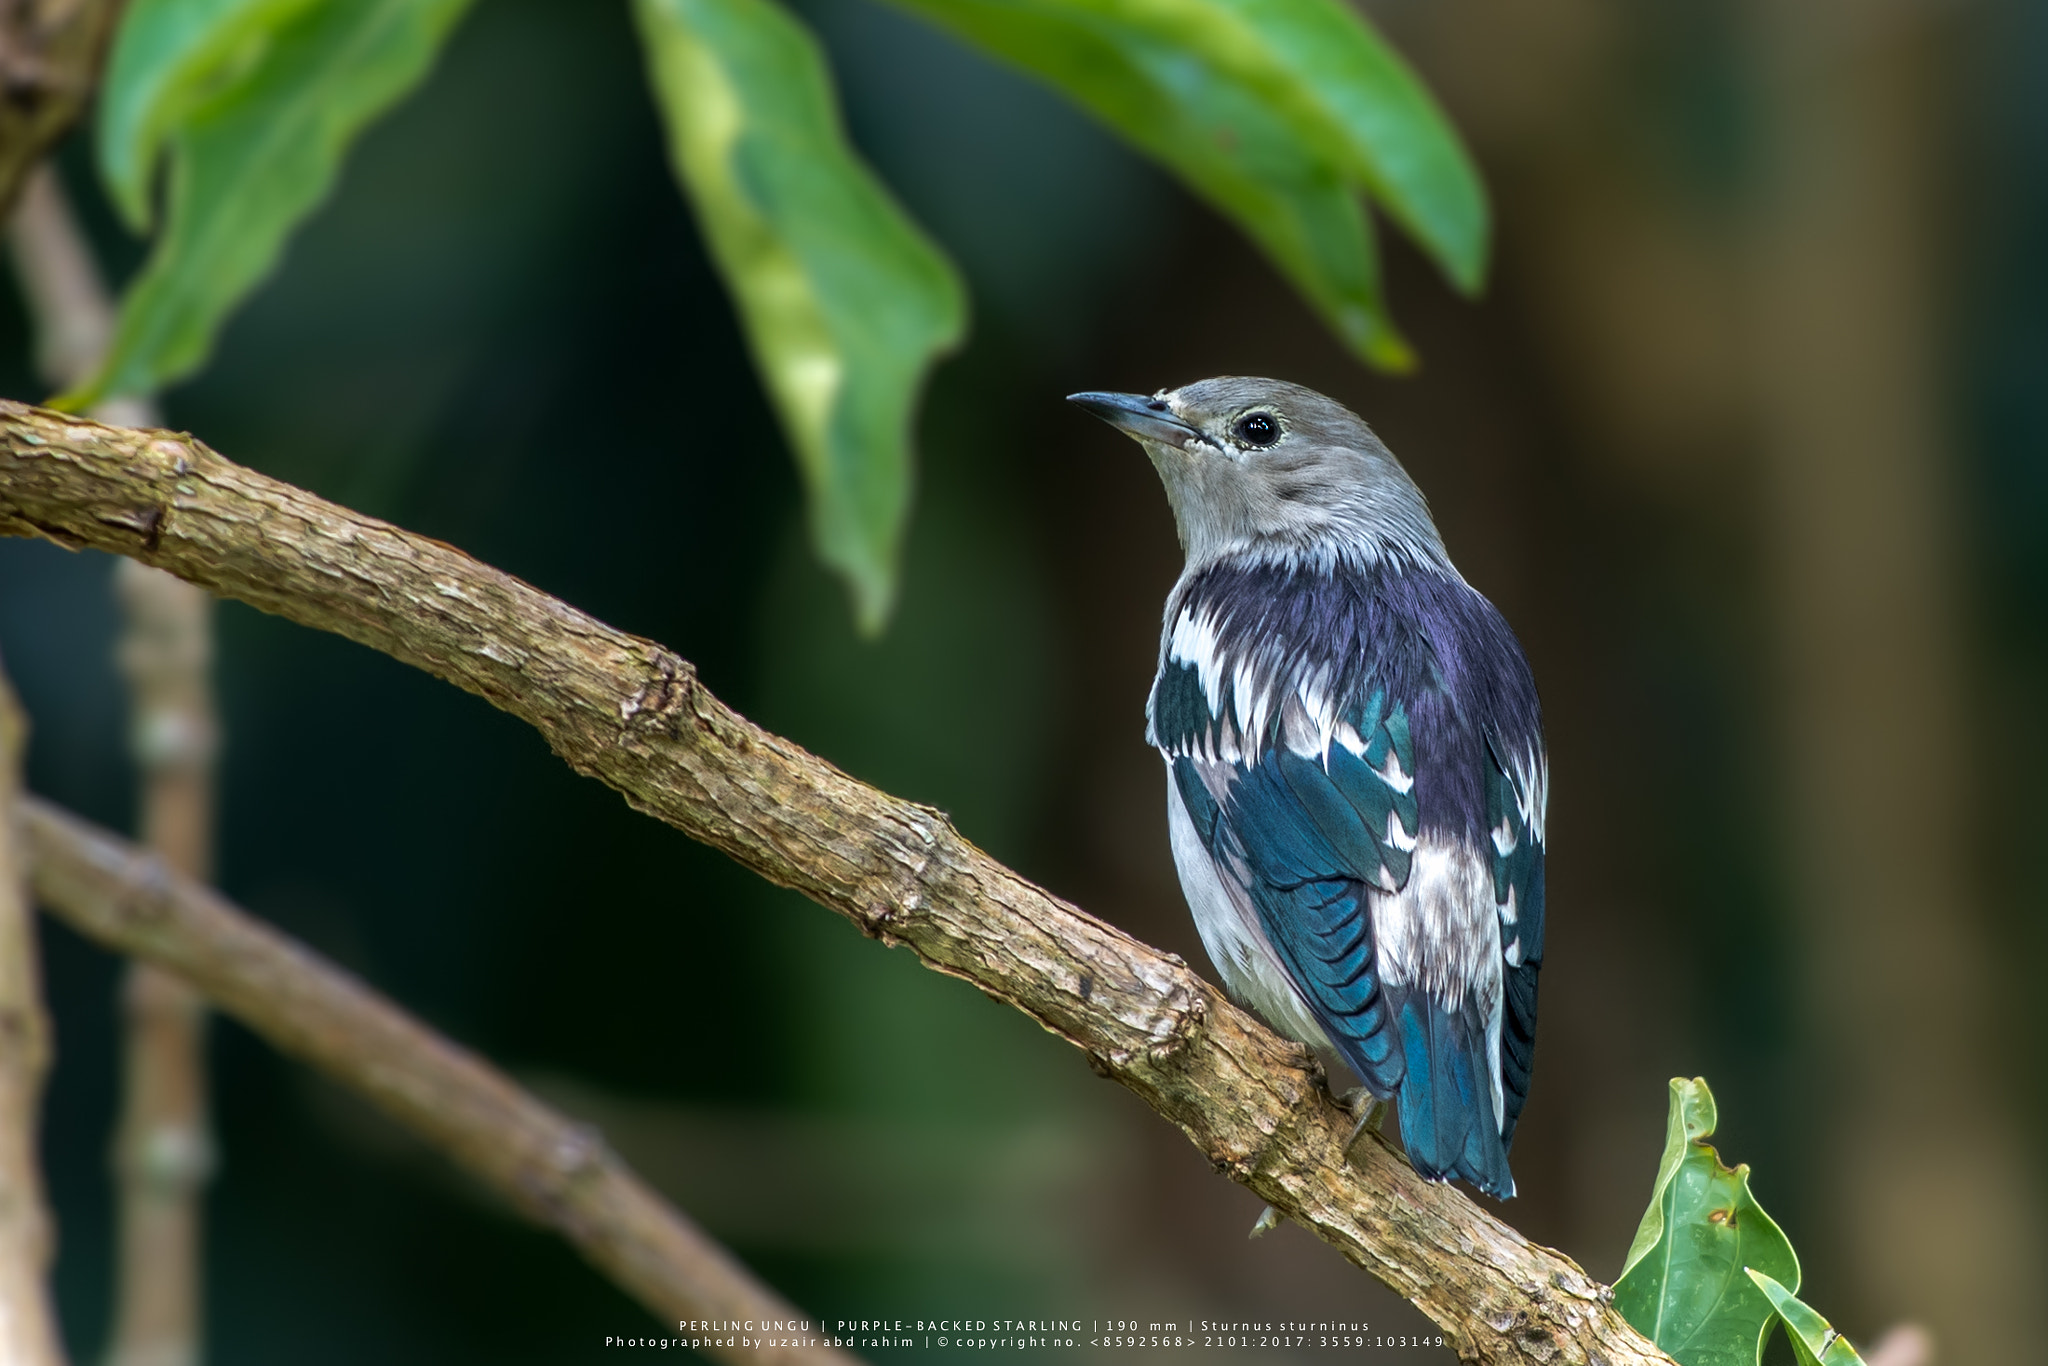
x=1683 y=1285
x=248 y=162
x=168 y=55
x=1347 y=94
x=1814 y=1342
x=844 y=302
x=1223 y=137
x=1283 y=114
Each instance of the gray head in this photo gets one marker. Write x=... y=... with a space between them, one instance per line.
x=1262 y=467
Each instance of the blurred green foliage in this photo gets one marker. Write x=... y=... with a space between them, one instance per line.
x=255 y=106
x=170 y=58
x=1287 y=115
x=844 y=301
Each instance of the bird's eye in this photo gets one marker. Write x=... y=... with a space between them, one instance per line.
x=1257 y=429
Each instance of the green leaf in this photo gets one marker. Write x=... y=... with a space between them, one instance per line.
x=1683 y=1285
x=168 y=55
x=844 y=302
x=1280 y=113
x=1345 y=90
x=1692 y=1117
x=1814 y=1342
x=248 y=162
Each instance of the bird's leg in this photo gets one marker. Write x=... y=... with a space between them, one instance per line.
x=1367 y=1108
x=1269 y=1218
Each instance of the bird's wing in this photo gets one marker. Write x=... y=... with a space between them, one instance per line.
x=1305 y=809
x=1517 y=791
x=1360 y=754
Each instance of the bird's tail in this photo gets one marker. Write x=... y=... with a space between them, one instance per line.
x=1448 y=1121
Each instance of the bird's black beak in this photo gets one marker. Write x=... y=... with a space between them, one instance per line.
x=1148 y=419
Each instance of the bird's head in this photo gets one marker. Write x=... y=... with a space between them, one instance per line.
x=1266 y=468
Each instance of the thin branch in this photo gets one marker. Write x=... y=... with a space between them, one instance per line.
x=555 y=1171
x=60 y=283
x=633 y=714
x=28 y=1329
x=163 y=1151
x=163 y=1148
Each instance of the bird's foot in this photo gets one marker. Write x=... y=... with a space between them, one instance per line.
x=1367 y=1108
x=1269 y=1219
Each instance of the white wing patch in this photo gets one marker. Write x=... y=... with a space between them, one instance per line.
x=1393 y=775
x=1347 y=735
x=1440 y=933
x=1532 y=791
x=1316 y=703
x=1194 y=642
x=1309 y=718
x=1299 y=731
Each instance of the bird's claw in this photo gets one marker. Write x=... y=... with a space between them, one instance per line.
x=1269 y=1218
x=1367 y=1108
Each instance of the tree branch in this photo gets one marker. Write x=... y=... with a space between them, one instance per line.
x=557 y=1172
x=28 y=1329
x=632 y=714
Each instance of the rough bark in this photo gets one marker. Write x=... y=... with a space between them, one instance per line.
x=632 y=714
x=556 y=1171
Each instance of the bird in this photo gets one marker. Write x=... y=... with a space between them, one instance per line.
x=1356 y=774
